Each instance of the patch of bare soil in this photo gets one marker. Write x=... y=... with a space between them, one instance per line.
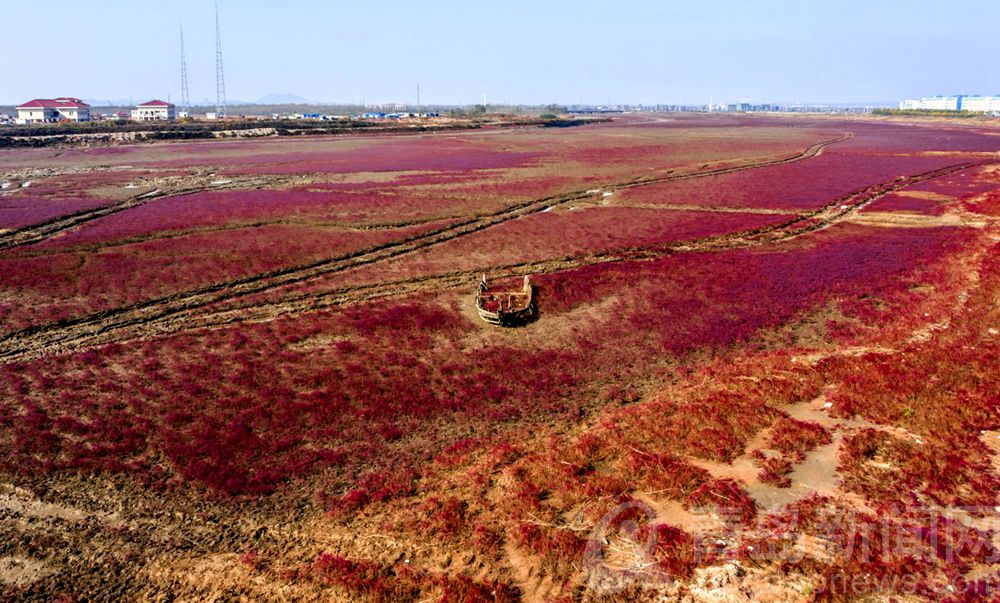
x=962 y=154
x=926 y=195
x=707 y=208
x=224 y=575
x=734 y=582
x=912 y=220
x=22 y=571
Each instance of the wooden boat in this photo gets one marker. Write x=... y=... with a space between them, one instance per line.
x=506 y=308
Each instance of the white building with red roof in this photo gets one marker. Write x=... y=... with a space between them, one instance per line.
x=46 y=110
x=154 y=110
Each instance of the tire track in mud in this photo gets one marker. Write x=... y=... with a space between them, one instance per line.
x=842 y=208
x=201 y=316
x=138 y=319
x=38 y=232
x=167 y=235
x=35 y=233
x=197 y=317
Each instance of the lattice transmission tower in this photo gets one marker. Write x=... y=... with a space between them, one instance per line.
x=220 y=77
x=185 y=99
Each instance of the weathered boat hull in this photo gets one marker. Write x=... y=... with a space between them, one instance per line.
x=506 y=308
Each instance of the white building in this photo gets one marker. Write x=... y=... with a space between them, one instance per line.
x=44 y=110
x=933 y=103
x=154 y=110
x=981 y=104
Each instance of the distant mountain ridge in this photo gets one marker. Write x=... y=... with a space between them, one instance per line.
x=108 y=102
x=286 y=98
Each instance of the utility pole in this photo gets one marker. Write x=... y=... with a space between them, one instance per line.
x=418 y=97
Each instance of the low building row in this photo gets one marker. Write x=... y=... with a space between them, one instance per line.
x=958 y=102
x=45 y=110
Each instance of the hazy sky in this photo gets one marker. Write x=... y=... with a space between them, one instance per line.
x=516 y=51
